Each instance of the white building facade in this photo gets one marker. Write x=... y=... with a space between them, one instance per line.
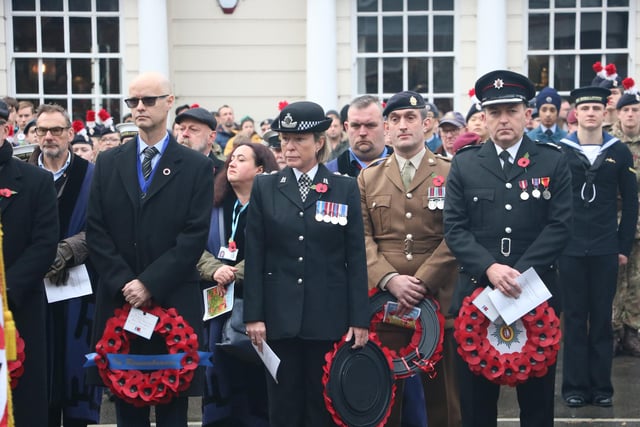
x=83 y=53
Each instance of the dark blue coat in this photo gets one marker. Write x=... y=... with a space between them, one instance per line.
x=157 y=239
x=304 y=278
x=483 y=207
x=611 y=178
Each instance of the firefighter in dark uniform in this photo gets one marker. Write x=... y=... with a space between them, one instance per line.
x=305 y=282
x=507 y=208
x=601 y=168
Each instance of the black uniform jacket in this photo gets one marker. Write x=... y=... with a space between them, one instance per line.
x=486 y=220
x=304 y=278
x=597 y=189
x=157 y=238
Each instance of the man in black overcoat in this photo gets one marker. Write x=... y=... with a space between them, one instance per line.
x=147 y=227
x=29 y=216
x=507 y=208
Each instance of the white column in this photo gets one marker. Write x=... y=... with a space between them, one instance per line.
x=322 y=72
x=153 y=36
x=491 y=30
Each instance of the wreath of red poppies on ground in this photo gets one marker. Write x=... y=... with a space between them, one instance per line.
x=474 y=332
x=326 y=369
x=16 y=367
x=411 y=357
x=142 y=388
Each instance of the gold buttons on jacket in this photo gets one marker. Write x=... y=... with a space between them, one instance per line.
x=409 y=195
x=300 y=259
x=408 y=215
x=508 y=207
x=300 y=281
x=475 y=198
x=300 y=214
x=507 y=230
x=508 y=185
x=301 y=238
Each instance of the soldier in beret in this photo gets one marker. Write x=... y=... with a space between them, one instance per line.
x=626 y=305
x=498 y=224
x=402 y=202
x=601 y=168
x=305 y=281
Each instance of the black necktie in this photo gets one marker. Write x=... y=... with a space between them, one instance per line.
x=506 y=164
x=304 y=183
x=148 y=153
x=548 y=132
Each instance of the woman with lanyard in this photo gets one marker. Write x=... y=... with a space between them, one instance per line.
x=306 y=274
x=235 y=394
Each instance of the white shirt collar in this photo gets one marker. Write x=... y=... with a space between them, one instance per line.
x=311 y=174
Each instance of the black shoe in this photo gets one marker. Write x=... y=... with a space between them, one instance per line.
x=603 y=401
x=575 y=401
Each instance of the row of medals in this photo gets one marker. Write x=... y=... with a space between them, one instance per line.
x=331 y=212
x=435 y=196
x=536 y=193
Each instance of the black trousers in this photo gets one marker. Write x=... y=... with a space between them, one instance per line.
x=172 y=414
x=479 y=399
x=589 y=286
x=297 y=400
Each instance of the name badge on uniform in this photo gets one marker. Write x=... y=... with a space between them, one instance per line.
x=227 y=253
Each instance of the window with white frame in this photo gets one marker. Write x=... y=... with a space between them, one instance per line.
x=406 y=45
x=566 y=37
x=66 y=52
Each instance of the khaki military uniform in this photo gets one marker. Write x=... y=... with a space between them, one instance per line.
x=626 y=305
x=404 y=234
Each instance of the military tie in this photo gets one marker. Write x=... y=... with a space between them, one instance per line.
x=548 y=132
x=304 y=183
x=148 y=153
x=506 y=164
x=408 y=170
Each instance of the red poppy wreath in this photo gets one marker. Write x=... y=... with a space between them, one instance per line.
x=424 y=349
x=16 y=367
x=148 y=387
x=507 y=354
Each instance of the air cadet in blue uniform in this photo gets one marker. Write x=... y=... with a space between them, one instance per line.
x=601 y=168
x=548 y=104
x=508 y=208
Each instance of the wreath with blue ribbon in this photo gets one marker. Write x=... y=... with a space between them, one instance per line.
x=143 y=380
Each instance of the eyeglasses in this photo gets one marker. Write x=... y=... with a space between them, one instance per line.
x=56 y=131
x=147 y=101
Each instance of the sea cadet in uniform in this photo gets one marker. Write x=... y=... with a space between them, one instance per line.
x=508 y=208
x=601 y=169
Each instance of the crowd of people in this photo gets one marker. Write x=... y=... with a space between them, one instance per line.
x=306 y=214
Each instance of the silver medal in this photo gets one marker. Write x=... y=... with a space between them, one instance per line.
x=546 y=194
x=536 y=193
x=524 y=195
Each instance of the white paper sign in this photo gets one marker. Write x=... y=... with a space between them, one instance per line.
x=77 y=285
x=484 y=304
x=269 y=358
x=534 y=293
x=140 y=323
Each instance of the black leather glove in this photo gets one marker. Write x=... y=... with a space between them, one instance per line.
x=58 y=272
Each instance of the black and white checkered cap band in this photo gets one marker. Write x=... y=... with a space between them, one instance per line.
x=304 y=125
